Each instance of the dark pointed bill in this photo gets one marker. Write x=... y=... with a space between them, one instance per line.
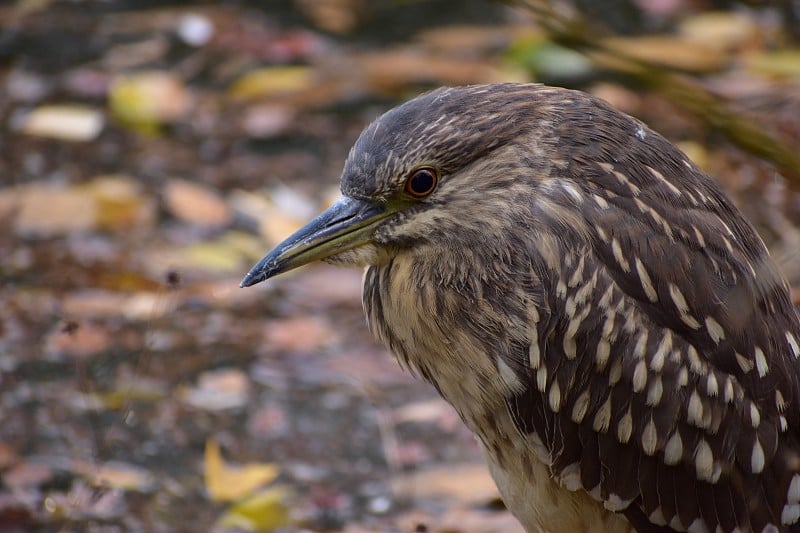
x=346 y=224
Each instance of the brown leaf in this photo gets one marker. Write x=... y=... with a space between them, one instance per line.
x=468 y=483
x=26 y=475
x=120 y=204
x=44 y=211
x=83 y=340
x=195 y=203
x=299 y=334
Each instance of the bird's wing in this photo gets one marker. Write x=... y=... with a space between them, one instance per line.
x=666 y=380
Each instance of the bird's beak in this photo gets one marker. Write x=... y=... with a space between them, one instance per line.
x=346 y=224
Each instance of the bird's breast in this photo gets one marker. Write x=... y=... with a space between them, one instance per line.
x=422 y=324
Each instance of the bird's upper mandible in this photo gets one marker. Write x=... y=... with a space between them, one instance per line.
x=595 y=308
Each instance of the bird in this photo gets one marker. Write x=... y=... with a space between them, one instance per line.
x=599 y=313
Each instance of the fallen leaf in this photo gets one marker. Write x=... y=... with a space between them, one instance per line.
x=26 y=475
x=264 y=511
x=720 y=30
x=226 y=483
x=420 y=412
x=470 y=483
x=779 y=64
x=8 y=456
x=272 y=81
x=64 y=122
x=120 y=204
x=82 y=341
x=195 y=203
x=124 y=476
x=217 y=390
x=299 y=334
x=668 y=51
x=214 y=256
x=144 y=100
x=45 y=211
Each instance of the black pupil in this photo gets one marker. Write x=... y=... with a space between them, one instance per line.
x=421 y=182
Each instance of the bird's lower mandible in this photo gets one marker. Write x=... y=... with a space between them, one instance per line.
x=599 y=313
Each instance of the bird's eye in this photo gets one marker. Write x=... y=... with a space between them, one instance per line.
x=421 y=182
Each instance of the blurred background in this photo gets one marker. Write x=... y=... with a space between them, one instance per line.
x=151 y=152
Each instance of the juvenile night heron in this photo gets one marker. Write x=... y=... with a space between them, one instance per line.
x=600 y=315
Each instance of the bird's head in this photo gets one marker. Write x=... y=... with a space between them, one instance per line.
x=419 y=175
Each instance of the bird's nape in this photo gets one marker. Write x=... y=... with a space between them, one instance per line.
x=598 y=312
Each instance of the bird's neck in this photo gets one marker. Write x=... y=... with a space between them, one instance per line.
x=425 y=319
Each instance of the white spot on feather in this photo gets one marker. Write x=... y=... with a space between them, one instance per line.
x=534 y=354
x=704 y=461
x=618 y=255
x=657 y=361
x=757 y=458
x=694 y=411
x=790 y=514
x=793 y=494
x=603 y=351
x=793 y=344
x=602 y=418
x=555 y=396
x=699 y=236
x=698 y=526
x=509 y=377
x=541 y=378
x=715 y=330
x=673 y=451
x=625 y=427
x=655 y=391
x=744 y=363
x=640 y=376
x=657 y=517
x=683 y=377
x=580 y=407
x=660 y=177
x=697 y=365
x=728 y=394
x=615 y=503
x=647 y=283
x=649 y=438
x=676 y=523
x=712 y=385
x=755 y=416
x=683 y=308
x=600 y=201
x=571 y=477
x=572 y=191
x=761 y=362
x=780 y=403
x=615 y=372
x=641 y=345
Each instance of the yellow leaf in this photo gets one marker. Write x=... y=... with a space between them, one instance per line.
x=264 y=511
x=271 y=81
x=668 y=51
x=216 y=256
x=778 y=64
x=230 y=483
x=144 y=100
